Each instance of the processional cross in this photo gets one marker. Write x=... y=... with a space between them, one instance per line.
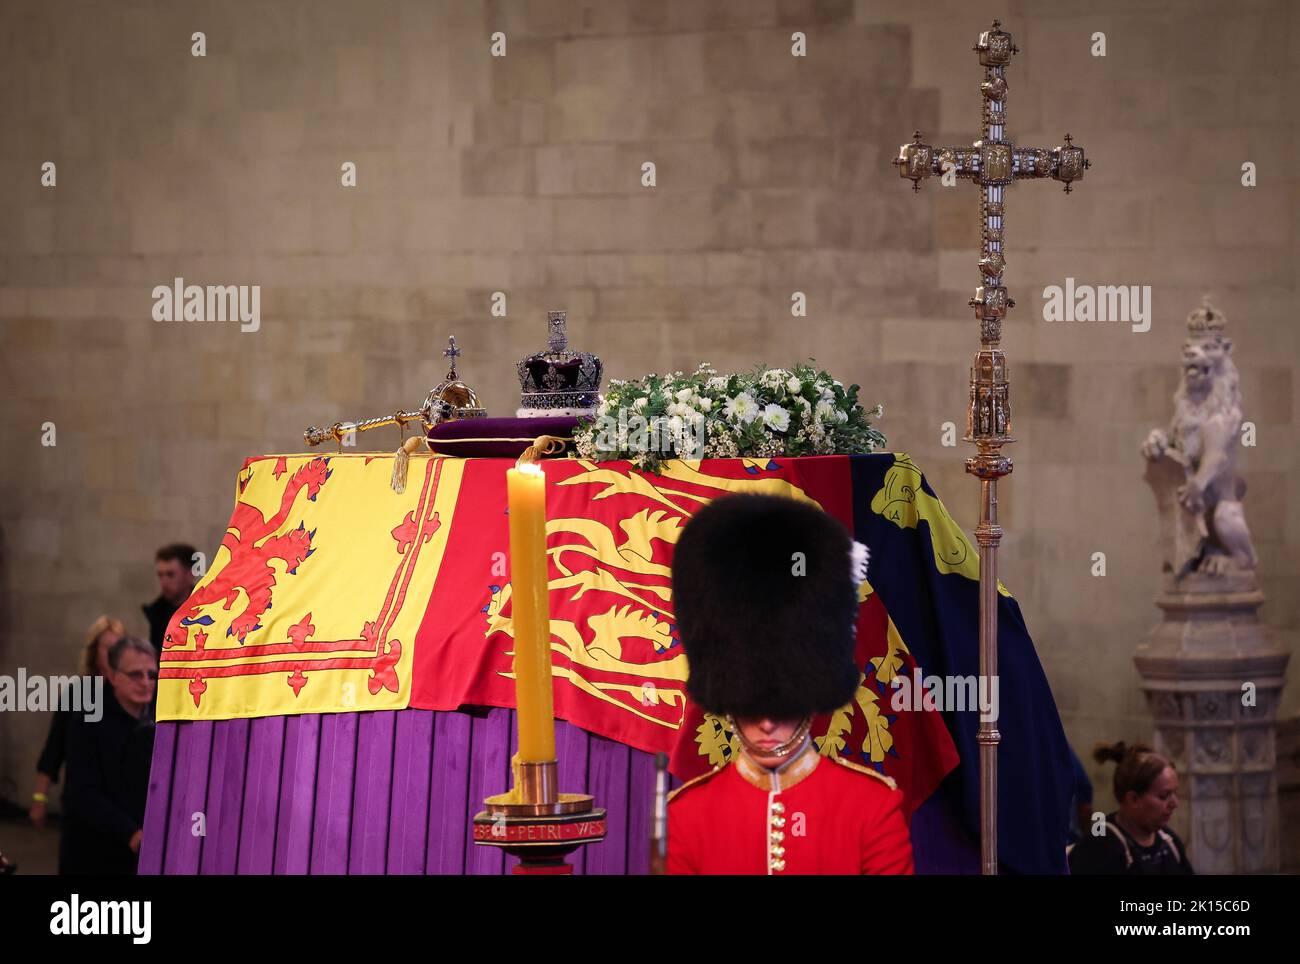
x=992 y=162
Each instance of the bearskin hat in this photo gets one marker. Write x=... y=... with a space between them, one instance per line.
x=766 y=606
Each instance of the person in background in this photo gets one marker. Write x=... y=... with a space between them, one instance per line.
x=1136 y=840
x=173 y=564
x=102 y=634
x=108 y=768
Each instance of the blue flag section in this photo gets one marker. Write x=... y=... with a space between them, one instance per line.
x=926 y=572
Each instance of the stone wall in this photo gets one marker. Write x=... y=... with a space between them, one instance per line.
x=522 y=175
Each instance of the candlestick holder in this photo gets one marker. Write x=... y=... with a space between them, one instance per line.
x=537 y=823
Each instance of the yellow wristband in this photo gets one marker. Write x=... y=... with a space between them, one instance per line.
x=39 y=797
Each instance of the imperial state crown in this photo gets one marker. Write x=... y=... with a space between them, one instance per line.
x=558 y=381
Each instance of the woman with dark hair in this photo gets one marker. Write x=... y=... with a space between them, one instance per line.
x=108 y=768
x=1135 y=839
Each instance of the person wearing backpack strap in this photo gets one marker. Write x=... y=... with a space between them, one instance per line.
x=1135 y=839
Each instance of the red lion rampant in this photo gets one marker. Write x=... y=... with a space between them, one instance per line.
x=252 y=549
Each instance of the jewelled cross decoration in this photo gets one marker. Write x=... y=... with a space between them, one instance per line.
x=557 y=336
x=452 y=352
x=992 y=162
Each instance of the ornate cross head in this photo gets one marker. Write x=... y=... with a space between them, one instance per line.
x=451 y=352
x=992 y=162
x=557 y=335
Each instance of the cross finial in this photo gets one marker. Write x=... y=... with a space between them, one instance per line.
x=997 y=28
x=995 y=47
x=451 y=352
x=557 y=338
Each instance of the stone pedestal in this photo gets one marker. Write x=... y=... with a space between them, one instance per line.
x=1288 y=792
x=1219 y=731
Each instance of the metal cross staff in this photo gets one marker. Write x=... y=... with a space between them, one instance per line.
x=992 y=163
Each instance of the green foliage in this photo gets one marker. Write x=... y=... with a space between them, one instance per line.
x=760 y=413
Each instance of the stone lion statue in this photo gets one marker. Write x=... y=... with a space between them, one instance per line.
x=1192 y=467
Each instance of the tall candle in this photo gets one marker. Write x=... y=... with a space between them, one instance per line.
x=526 y=487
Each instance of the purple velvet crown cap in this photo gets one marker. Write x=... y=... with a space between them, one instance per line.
x=499 y=438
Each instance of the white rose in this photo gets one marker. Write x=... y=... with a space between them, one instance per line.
x=742 y=407
x=705 y=404
x=641 y=402
x=776 y=418
x=685 y=394
x=793 y=385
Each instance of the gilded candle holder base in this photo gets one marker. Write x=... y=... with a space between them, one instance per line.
x=538 y=824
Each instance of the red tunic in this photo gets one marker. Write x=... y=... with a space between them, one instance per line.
x=814 y=815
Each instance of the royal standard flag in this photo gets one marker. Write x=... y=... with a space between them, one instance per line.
x=930 y=586
x=332 y=593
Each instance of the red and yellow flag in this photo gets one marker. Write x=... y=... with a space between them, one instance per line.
x=331 y=593
x=316 y=593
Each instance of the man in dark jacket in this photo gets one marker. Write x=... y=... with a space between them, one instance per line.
x=108 y=769
x=174 y=566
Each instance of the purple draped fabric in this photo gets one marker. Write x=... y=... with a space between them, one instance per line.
x=394 y=792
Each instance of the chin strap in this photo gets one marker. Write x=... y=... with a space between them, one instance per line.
x=782 y=749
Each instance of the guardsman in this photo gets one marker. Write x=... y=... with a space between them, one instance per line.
x=766 y=596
